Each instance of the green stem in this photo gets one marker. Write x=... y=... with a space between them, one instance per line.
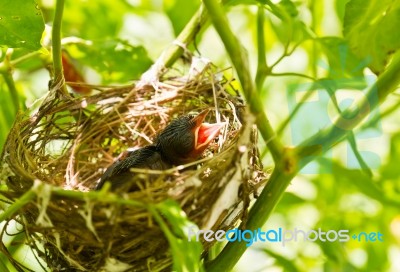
x=6 y=69
x=240 y=62
x=258 y=215
x=56 y=46
x=262 y=68
x=386 y=83
x=353 y=144
x=174 y=51
x=99 y=196
x=13 y=90
x=294 y=74
x=286 y=169
x=24 y=58
x=17 y=205
x=373 y=121
x=186 y=37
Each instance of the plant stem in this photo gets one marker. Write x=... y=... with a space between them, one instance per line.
x=262 y=68
x=13 y=90
x=24 y=57
x=174 y=51
x=289 y=165
x=386 y=83
x=240 y=62
x=294 y=74
x=6 y=70
x=100 y=196
x=258 y=215
x=17 y=205
x=56 y=46
x=186 y=37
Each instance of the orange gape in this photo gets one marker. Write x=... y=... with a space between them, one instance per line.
x=72 y=76
x=182 y=141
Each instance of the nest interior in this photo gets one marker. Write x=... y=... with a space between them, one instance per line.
x=68 y=142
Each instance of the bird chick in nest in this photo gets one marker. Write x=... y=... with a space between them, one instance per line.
x=181 y=142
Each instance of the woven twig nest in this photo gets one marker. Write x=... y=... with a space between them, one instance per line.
x=69 y=142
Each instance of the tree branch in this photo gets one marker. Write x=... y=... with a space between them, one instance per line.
x=240 y=62
x=289 y=165
x=56 y=46
x=262 y=67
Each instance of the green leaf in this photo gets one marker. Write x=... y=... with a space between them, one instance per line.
x=285 y=263
x=21 y=24
x=291 y=28
x=289 y=7
x=114 y=60
x=391 y=169
x=371 y=28
x=98 y=19
x=186 y=254
x=180 y=12
x=340 y=6
x=343 y=63
x=289 y=200
x=333 y=250
x=362 y=183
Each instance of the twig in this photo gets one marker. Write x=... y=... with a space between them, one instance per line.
x=240 y=62
x=56 y=47
x=289 y=166
x=262 y=67
x=6 y=71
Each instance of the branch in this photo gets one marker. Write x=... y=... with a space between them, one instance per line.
x=13 y=90
x=6 y=71
x=386 y=83
x=262 y=67
x=56 y=46
x=174 y=51
x=240 y=62
x=289 y=166
x=20 y=203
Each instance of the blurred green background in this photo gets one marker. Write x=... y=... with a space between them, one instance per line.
x=312 y=48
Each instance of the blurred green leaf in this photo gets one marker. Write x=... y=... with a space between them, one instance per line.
x=245 y=2
x=98 y=19
x=289 y=200
x=362 y=182
x=186 y=254
x=282 y=261
x=21 y=24
x=334 y=251
x=342 y=62
x=371 y=28
x=114 y=60
x=340 y=6
x=391 y=169
x=289 y=7
x=180 y=12
x=290 y=28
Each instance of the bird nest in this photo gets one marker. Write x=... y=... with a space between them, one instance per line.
x=55 y=156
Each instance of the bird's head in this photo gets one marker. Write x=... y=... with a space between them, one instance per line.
x=186 y=138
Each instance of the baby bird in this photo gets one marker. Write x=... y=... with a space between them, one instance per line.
x=181 y=142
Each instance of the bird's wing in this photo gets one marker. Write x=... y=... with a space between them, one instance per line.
x=147 y=158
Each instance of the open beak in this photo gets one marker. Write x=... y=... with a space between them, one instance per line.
x=205 y=132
